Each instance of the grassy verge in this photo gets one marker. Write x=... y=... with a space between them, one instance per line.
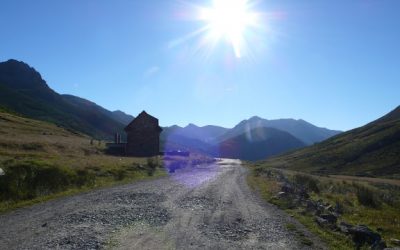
x=374 y=205
x=29 y=182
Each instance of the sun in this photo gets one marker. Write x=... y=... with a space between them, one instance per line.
x=229 y=20
x=233 y=22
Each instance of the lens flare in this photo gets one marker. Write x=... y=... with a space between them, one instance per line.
x=233 y=22
x=229 y=19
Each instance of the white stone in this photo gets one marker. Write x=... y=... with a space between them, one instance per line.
x=2 y=172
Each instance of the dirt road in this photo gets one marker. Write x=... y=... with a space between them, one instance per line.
x=202 y=207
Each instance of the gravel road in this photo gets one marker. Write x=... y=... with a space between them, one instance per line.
x=200 y=207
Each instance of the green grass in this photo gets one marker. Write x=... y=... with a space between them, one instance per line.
x=382 y=215
x=42 y=161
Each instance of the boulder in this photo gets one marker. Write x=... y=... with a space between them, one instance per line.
x=363 y=235
x=345 y=227
x=331 y=218
x=2 y=172
x=321 y=221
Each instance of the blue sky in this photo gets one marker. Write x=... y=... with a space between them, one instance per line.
x=335 y=64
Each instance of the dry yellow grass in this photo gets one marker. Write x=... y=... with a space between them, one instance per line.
x=77 y=159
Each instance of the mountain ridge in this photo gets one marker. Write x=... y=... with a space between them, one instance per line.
x=25 y=91
x=371 y=150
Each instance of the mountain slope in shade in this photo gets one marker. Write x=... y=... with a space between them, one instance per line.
x=300 y=129
x=259 y=143
x=122 y=117
x=23 y=90
x=371 y=150
x=92 y=107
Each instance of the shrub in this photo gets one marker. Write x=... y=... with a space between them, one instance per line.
x=27 y=180
x=366 y=197
x=152 y=164
x=310 y=183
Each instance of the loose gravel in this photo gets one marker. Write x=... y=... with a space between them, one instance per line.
x=202 y=207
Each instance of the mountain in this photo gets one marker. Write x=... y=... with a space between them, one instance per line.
x=92 y=107
x=259 y=143
x=371 y=150
x=122 y=117
x=306 y=132
x=283 y=135
x=23 y=90
x=205 y=134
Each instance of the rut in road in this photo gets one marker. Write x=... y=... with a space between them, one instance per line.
x=201 y=207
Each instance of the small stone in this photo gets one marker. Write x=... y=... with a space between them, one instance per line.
x=44 y=225
x=281 y=194
x=2 y=172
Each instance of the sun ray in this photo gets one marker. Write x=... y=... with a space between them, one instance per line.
x=233 y=22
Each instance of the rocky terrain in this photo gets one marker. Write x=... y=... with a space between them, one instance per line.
x=200 y=207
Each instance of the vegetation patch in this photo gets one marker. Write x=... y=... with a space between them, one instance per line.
x=337 y=210
x=46 y=161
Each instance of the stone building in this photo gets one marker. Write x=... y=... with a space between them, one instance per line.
x=143 y=136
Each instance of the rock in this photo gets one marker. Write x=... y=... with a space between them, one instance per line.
x=363 y=235
x=331 y=218
x=321 y=221
x=287 y=188
x=281 y=194
x=395 y=242
x=345 y=227
x=2 y=172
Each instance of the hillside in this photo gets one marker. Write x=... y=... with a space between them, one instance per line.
x=371 y=150
x=23 y=90
x=41 y=159
x=306 y=132
x=259 y=143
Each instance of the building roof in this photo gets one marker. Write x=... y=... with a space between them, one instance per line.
x=142 y=116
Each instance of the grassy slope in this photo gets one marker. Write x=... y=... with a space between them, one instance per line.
x=384 y=216
x=372 y=150
x=31 y=149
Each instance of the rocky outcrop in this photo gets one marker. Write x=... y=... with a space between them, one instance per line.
x=326 y=215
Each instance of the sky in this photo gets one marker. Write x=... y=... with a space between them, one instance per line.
x=335 y=64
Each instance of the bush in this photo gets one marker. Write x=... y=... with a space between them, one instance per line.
x=152 y=164
x=310 y=183
x=27 y=180
x=366 y=197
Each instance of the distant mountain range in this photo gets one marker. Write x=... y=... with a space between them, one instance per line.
x=252 y=139
x=371 y=150
x=23 y=90
x=306 y=132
